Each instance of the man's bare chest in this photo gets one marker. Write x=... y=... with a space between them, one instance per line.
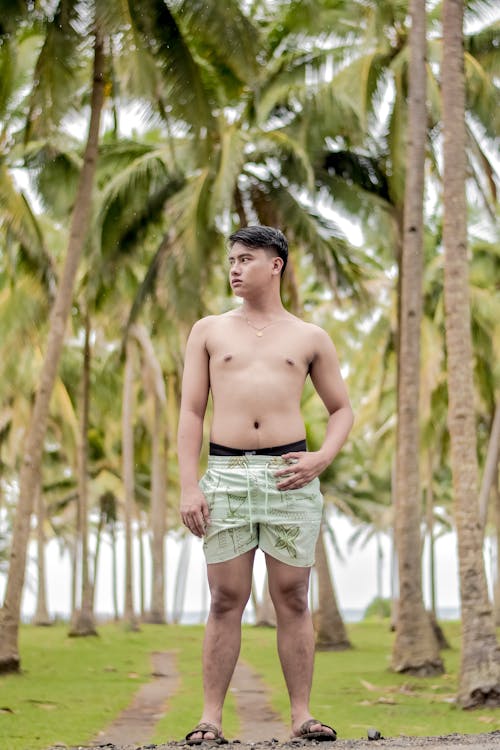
x=274 y=356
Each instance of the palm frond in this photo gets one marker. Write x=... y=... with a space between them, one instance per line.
x=12 y=12
x=196 y=241
x=162 y=36
x=334 y=257
x=133 y=198
x=55 y=167
x=228 y=36
x=482 y=95
x=483 y=45
x=148 y=284
x=21 y=222
x=56 y=71
x=293 y=156
x=396 y=139
x=229 y=163
x=362 y=80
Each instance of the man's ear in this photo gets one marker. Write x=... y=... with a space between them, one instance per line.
x=277 y=264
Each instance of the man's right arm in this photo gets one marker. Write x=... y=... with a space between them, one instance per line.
x=195 y=388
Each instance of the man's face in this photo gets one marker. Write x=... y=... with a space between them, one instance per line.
x=250 y=268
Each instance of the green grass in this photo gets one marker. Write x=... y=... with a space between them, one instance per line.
x=354 y=690
x=70 y=688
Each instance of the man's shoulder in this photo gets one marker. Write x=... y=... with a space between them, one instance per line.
x=210 y=320
x=311 y=329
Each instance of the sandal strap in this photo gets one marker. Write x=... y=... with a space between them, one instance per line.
x=203 y=727
x=306 y=726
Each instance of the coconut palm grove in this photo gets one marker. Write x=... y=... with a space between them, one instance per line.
x=134 y=138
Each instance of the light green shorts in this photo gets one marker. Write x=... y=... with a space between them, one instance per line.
x=247 y=511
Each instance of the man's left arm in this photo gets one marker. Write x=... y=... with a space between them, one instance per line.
x=330 y=386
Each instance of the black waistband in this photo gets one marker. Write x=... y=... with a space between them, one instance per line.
x=278 y=450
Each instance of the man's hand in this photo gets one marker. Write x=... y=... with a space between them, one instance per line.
x=194 y=511
x=304 y=467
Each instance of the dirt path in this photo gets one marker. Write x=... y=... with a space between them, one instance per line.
x=133 y=729
x=136 y=724
x=258 y=721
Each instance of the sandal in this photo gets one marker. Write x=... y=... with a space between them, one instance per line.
x=204 y=727
x=318 y=735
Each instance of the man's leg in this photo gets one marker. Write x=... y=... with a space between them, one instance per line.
x=230 y=585
x=289 y=586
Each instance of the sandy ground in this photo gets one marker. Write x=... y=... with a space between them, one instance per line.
x=133 y=729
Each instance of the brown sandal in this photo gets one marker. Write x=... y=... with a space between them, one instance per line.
x=318 y=735
x=204 y=727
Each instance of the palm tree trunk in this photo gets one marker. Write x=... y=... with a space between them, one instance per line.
x=32 y=458
x=181 y=579
x=430 y=531
x=114 y=572
x=490 y=467
x=380 y=567
x=128 y=480
x=496 y=590
x=142 y=564
x=154 y=385
x=41 y=612
x=73 y=550
x=479 y=681
x=95 y=566
x=83 y=622
x=331 y=634
x=265 y=616
x=415 y=650
x=158 y=504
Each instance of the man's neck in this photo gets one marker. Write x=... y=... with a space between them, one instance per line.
x=264 y=305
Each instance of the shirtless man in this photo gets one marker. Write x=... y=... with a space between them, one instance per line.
x=261 y=488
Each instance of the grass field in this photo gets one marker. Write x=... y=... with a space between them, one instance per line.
x=70 y=688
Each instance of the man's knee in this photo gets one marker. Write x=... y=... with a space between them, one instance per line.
x=227 y=599
x=291 y=596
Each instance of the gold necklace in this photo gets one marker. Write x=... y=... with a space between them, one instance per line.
x=259 y=331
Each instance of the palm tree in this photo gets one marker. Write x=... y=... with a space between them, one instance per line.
x=83 y=619
x=41 y=616
x=30 y=471
x=491 y=465
x=480 y=662
x=155 y=388
x=128 y=479
x=331 y=634
x=415 y=649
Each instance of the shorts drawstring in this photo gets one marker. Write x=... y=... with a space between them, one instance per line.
x=249 y=495
x=266 y=493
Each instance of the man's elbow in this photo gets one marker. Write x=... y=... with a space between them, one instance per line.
x=346 y=412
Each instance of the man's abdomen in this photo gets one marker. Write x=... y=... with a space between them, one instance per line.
x=250 y=428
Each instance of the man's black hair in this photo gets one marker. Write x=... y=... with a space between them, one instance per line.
x=267 y=238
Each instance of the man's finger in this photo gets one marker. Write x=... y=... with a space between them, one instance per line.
x=293 y=454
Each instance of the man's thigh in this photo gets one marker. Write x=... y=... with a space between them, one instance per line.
x=287 y=580
x=232 y=577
